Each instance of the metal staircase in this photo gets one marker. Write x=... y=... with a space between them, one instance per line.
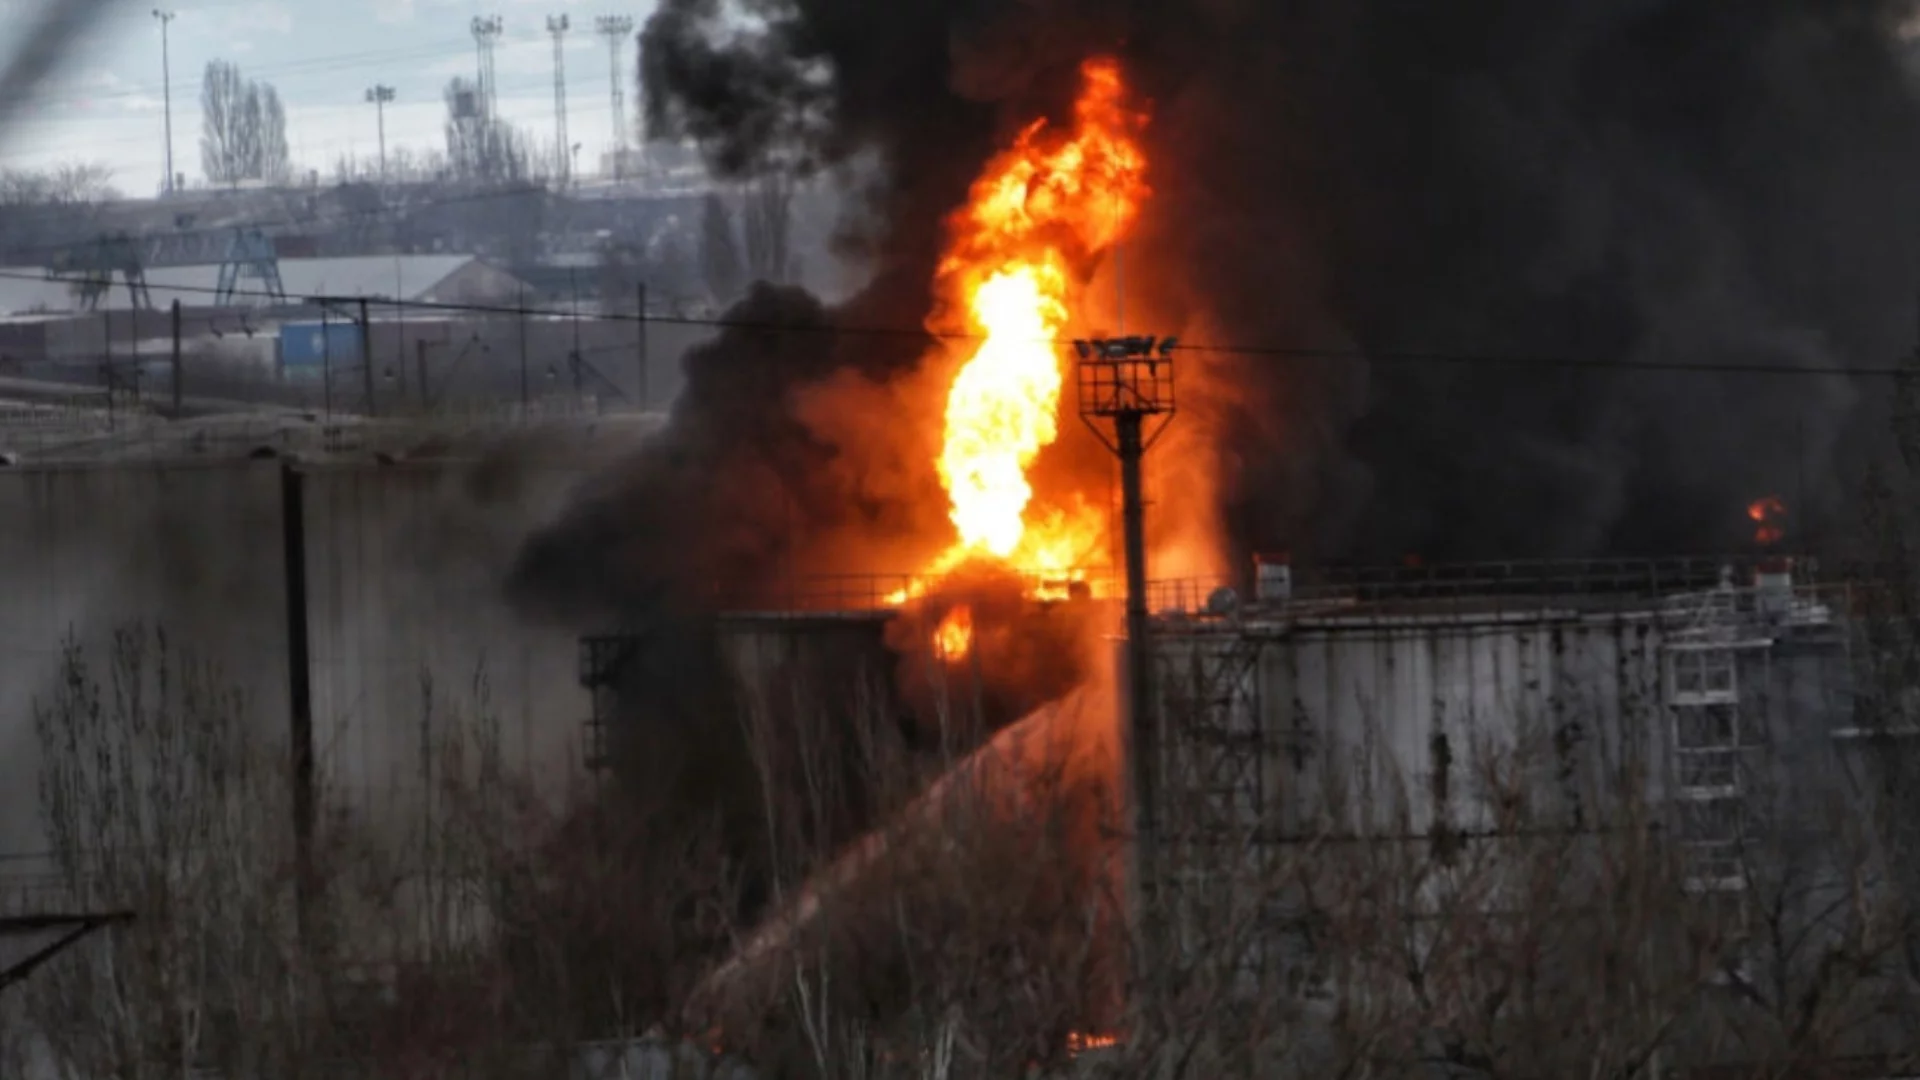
x=1718 y=735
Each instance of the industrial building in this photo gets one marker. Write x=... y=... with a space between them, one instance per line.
x=436 y=279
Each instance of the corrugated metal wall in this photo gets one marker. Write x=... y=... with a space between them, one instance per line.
x=1357 y=719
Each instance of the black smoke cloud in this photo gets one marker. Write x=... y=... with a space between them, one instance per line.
x=1642 y=181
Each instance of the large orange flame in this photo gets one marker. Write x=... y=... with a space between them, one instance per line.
x=1052 y=200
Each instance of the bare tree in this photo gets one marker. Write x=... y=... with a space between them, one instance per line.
x=720 y=262
x=158 y=799
x=275 y=161
x=73 y=184
x=768 y=226
x=243 y=127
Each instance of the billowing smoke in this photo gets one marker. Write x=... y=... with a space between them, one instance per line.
x=1643 y=183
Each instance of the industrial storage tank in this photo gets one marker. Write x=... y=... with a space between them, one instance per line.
x=1375 y=712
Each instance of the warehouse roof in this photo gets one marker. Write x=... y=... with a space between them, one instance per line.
x=28 y=289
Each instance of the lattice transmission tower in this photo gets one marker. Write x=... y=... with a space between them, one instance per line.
x=617 y=29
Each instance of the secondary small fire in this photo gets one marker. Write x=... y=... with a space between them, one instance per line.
x=1767 y=514
x=1079 y=1043
x=954 y=637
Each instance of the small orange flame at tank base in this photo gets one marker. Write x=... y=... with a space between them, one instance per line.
x=1079 y=1043
x=953 y=639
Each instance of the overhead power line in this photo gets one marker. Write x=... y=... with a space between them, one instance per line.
x=1278 y=352
x=57 y=94
x=521 y=91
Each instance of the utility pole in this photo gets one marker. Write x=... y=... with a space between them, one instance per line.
x=293 y=542
x=177 y=376
x=326 y=363
x=366 y=357
x=616 y=29
x=558 y=25
x=525 y=392
x=420 y=366
x=574 y=358
x=486 y=31
x=1127 y=381
x=641 y=345
x=166 y=91
x=378 y=96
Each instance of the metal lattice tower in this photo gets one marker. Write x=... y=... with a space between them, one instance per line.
x=616 y=29
x=486 y=33
x=558 y=25
x=251 y=256
x=91 y=267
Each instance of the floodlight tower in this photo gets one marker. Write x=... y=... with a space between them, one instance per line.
x=558 y=25
x=378 y=96
x=165 y=19
x=616 y=29
x=1125 y=383
x=486 y=33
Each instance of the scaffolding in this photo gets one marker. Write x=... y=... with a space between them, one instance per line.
x=251 y=256
x=605 y=660
x=1716 y=670
x=91 y=267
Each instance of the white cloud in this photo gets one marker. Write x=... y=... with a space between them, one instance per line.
x=393 y=12
x=261 y=16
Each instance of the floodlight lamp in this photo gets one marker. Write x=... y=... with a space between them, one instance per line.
x=1168 y=345
x=1080 y=346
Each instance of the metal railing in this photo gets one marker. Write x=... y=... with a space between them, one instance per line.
x=816 y=593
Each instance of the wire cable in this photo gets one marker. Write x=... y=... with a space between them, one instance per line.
x=1280 y=352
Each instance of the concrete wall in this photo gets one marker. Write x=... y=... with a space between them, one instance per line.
x=402 y=563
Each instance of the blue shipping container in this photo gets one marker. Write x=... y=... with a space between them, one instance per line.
x=311 y=344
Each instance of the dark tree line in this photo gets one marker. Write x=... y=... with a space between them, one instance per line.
x=243 y=128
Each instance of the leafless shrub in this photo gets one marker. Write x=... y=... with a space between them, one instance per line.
x=990 y=927
x=159 y=798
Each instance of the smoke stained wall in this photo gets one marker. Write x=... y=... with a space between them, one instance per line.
x=404 y=565
x=1656 y=182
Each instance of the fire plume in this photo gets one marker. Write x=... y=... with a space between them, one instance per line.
x=1052 y=200
x=1766 y=514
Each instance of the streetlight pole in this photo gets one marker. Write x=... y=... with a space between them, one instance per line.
x=378 y=96
x=558 y=25
x=166 y=91
x=1128 y=383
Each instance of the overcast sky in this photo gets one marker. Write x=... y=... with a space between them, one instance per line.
x=322 y=55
